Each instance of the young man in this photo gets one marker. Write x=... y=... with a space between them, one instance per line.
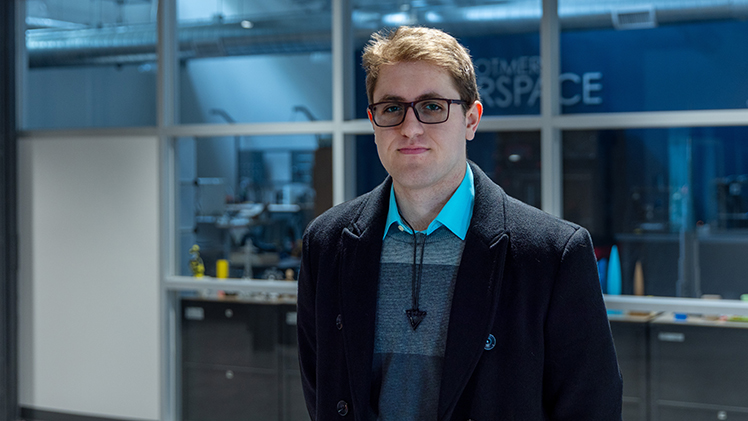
x=436 y=296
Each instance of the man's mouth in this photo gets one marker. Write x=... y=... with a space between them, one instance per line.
x=412 y=150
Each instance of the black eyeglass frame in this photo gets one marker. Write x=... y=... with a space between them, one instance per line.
x=412 y=105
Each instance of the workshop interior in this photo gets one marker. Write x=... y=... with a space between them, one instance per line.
x=171 y=153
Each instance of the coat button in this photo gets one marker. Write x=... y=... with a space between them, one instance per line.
x=490 y=343
x=342 y=408
x=339 y=322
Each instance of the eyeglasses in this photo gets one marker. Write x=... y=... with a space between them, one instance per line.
x=427 y=111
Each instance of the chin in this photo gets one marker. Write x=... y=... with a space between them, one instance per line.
x=415 y=181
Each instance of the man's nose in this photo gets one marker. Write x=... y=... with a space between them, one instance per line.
x=411 y=126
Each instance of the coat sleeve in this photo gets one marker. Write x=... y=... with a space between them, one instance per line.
x=582 y=381
x=306 y=327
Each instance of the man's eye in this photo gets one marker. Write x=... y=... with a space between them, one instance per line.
x=392 y=108
x=432 y=106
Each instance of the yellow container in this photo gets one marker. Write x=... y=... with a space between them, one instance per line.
x=222 y=268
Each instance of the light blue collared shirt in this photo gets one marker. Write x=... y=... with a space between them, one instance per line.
x=455 y=215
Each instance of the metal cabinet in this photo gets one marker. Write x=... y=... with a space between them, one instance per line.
x=699 y=369
x=239 y=361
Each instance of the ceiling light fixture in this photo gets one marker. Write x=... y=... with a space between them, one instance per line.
x=397 y=19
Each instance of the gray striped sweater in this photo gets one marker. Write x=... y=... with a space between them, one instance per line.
x=408 y=364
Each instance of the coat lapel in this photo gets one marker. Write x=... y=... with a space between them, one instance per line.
x=476 y=292
x=361 y=252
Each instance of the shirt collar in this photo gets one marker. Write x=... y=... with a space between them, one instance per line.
x=455 y=215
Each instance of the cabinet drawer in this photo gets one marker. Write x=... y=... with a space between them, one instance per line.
x=699 y=364
x=229 y=394
x=234 y=334
x=689 y=412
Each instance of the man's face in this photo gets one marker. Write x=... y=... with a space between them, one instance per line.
x=423 y=156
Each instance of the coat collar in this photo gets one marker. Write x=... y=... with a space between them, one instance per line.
x=489 y=212
x=473 y=304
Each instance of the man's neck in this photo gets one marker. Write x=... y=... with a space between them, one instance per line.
x=419 y=207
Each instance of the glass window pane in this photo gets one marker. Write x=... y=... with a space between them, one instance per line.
x=246 y=61
x=369 y=170
x=249 y=199
x=502 y=38
x=672 y=201
x=90 y=64
x=652 y=56
x=511 y=159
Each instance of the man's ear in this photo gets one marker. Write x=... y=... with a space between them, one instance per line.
x=371 y=117
x=472 y=118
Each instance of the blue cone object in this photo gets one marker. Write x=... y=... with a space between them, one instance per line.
x=614 y=272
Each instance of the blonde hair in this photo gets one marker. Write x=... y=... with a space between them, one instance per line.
x=409 y=44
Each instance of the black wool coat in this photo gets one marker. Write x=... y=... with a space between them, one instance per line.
x=526 y=278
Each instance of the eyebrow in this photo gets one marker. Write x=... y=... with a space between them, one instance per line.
x=397 y=98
